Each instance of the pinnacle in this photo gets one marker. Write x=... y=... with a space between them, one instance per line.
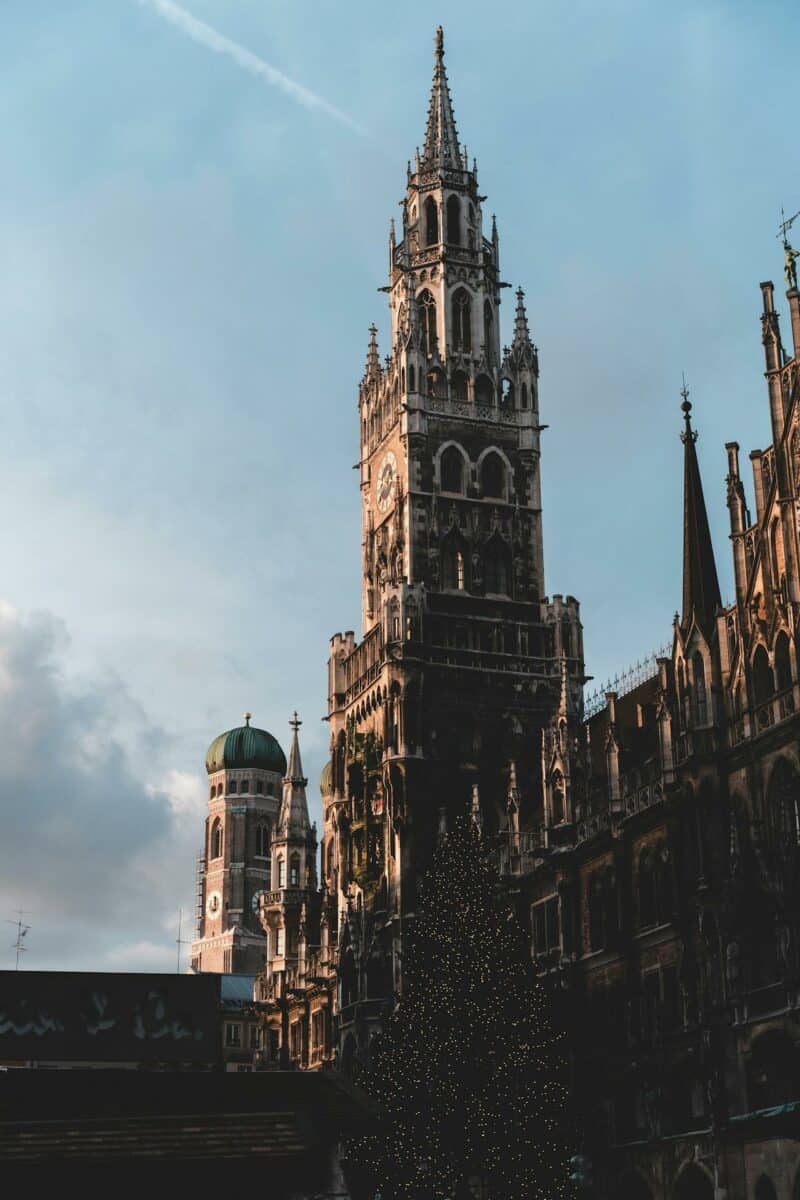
x=441 y=136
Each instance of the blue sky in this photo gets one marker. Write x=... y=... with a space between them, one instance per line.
x=191 y=255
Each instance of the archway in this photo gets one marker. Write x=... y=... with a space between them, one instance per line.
x=694 y=1183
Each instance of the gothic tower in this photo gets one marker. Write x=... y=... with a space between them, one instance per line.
x=463 y=661
x=245 y=767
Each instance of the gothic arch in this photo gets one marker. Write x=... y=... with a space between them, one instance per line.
x=763 y=682
x=445 y=460
x=454 y=220
x=461 y=319
x=431 y=222
x=484 y=390
x=427 y=315
x=494 y=473
x=496 y=567
x=783 y=663
x=693 y=1182
x=459 y=385
x=454 y=562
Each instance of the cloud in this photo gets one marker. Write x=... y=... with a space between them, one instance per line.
x=206 y=36
x=98 y=835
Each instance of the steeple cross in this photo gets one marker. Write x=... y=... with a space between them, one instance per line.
x=295 y=722
x=686 y=408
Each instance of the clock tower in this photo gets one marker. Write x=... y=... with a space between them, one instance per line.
x=463 y=661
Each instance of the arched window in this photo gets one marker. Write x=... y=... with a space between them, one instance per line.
x=431 y=222
x=454 y=221
x=783 y=668
x=776 y=551
x=427 y=308
x=231 y=787
x=412 y=378
x=647 y=891
x=216 y=839
x=262 y=841
x=783 y=816
x=523 y=395
x=294 y=871
x=281 y=872
x=699 y=680
x=507 y=393
x=663 y=884
x=493 y=477
x=484 y=390
x=459 y=386
x=495 y=568
x=453 y=577
x=462 y=320
x=488 y=332
x=763 y=685
x=765 y=1189
x=280 y=942
x=558 y=797
x=452 y=470
x=694 y=1184
x=437 y=382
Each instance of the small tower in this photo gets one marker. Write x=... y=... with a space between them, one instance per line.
x=245 y=767
x=285 y=911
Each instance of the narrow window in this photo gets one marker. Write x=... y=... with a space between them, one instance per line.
x=452 y=470
x=493 y=476
x=280 y=944
x=488 y=332
x=294 y=871
x=431 y=222
x=462 y=320
x=233 y=1035
x=216 y=840
x=281 y=872
x=454 y=221
x=262 y=841
x=427 y=306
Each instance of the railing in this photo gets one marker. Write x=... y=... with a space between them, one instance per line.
x=488 y=660
x=592 y=825
x=520 y=852
x=501 y=415
x=642 y=797
x=621 y=684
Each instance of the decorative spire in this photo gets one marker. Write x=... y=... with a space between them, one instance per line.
x=293 y=821
x=522 y=335
x=441 y=136
x=294 y=771
x=701 y=596
x=373 y=368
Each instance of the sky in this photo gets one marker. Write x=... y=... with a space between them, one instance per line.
x=194 y=212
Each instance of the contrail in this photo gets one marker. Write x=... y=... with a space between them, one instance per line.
x=198 y=31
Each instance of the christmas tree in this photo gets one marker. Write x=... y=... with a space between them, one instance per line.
x=470 y=1075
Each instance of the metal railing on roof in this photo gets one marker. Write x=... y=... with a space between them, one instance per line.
x=638 y=673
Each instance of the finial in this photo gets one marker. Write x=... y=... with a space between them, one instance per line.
x=686 y=409
x=439 y=42
x=295 y=722
x=247 y=717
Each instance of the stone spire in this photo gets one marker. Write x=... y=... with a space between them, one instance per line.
x=522 y=335
x=441 y=136
x=373 y=367
x=293 y=819
x=701 y=596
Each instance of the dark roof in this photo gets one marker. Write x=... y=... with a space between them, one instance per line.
x=246 y=747
x=701 y=595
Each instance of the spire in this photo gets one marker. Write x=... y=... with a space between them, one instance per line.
x=522 y=335
x=701 y=596
x=293 y=819
x=441 y=136
x=373 y=368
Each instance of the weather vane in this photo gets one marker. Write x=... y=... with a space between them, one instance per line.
x=790 y=265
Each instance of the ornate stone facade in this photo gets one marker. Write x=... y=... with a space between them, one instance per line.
x=463 y=659
x=664 y=896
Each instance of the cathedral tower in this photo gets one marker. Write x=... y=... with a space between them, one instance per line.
x=463 y=661
x=245 y=767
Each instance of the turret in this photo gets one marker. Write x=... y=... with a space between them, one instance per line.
x=773 y=358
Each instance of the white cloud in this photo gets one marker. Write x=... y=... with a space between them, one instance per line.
x=206 y=36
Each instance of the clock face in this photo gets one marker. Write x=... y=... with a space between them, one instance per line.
x=213 y=903
x=387 y=473
x=256 y=901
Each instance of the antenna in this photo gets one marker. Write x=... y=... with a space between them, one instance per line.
x=179 y=941
x=22 y=929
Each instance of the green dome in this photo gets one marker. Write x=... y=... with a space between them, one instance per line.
x=246 y=747
x=326 y=779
